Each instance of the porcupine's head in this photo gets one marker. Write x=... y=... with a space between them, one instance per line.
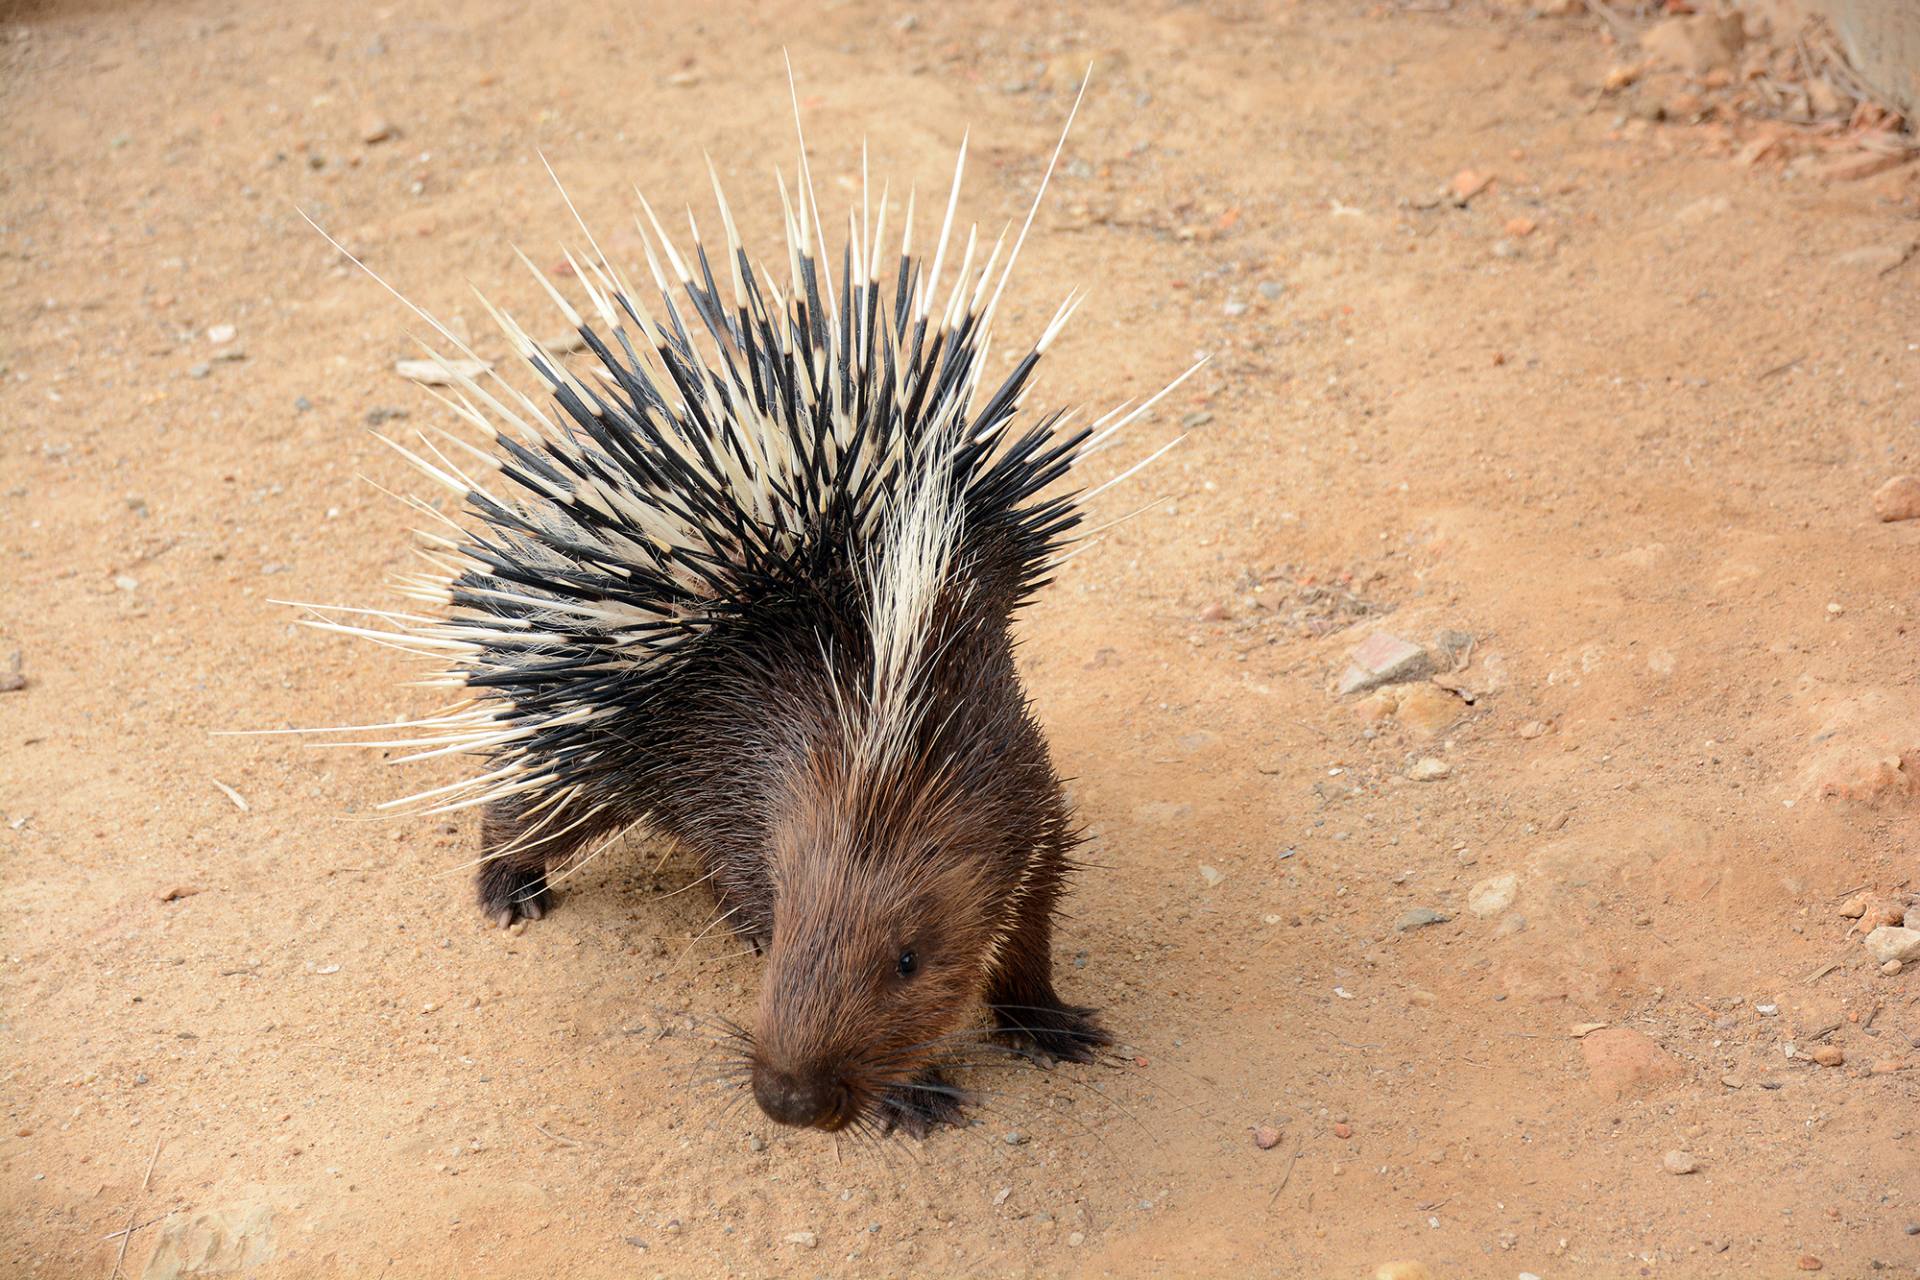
x=883 y=928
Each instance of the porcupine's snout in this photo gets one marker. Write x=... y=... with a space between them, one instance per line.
x=810 y=1098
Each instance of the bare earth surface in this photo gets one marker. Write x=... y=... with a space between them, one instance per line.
x=1630 y=454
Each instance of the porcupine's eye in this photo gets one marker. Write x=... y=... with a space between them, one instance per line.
x=909 y=963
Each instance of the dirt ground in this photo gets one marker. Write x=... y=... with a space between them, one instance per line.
x=1629 y=451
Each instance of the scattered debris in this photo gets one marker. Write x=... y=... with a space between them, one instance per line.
x=1679 y=1163
x=436 y=373
x=1852 y=166
x=1467 y=184
x=1694 y=43
x=1428 y=769
x=1879 y=259
x=239 y=801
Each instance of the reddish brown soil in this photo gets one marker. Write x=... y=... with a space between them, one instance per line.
x=1633 y=460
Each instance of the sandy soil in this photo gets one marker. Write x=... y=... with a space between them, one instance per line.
x=1630 y=454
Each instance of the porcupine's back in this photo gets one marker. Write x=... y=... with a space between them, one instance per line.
x=758 y=475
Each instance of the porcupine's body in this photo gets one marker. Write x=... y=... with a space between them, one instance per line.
x=758 y=599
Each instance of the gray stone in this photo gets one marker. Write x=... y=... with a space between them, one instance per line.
x=1420 y=918
x=1893 y=942
x=1384 y=658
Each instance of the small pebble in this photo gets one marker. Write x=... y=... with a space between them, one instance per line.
x=1828 y=1055
x=1343 y=1130
x=1428 y=769
x=1810 y=1263
x=1235 y=308
x=805 y=1239
x=301 y=404
x=1898 y=499
x=1266 y=1137
x=221 y=334
x=1678 y=1162
x=1077 y=1239
x=1212 y=875
x=756 y=1143
x=1402 y=1271
x=199 y=370
x=1014 y=1138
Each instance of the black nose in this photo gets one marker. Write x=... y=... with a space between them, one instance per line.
x=807 y=1100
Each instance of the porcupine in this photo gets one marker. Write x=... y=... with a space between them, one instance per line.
x=754 y=593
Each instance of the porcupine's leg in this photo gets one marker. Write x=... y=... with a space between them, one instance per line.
x=1021 y=995
x=921 y=1107
x=512 y=880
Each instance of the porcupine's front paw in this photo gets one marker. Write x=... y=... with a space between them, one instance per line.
x=509 y=893
x=1063 y=1032
x=919 y=1107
